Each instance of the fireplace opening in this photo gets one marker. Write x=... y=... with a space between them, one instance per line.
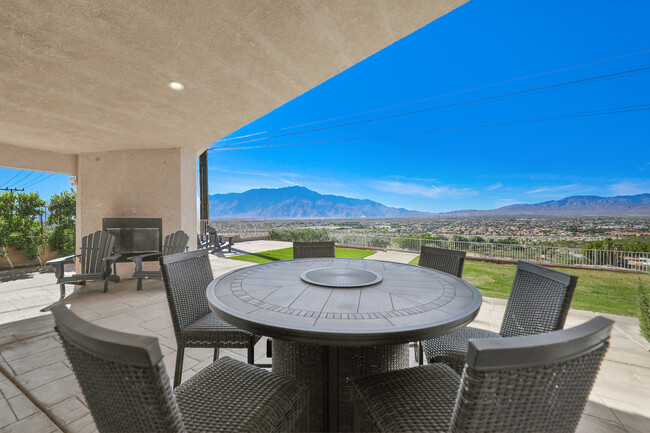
x=134 y=236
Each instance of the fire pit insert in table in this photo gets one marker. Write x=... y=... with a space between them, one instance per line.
x=341 y=277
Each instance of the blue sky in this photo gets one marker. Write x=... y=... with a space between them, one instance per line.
x=479 y=44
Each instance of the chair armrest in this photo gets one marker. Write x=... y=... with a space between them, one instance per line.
x=58 y=264
x=138 y=260
x=142 y=256
x=61 y=259
x=112 y=258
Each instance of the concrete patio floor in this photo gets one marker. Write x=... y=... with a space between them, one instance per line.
x=39 y=393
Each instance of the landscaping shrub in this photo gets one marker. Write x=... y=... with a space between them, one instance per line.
x=300 y=235
x=62 y=209
x=407 y=242
x=643 y=296
x=19 y=225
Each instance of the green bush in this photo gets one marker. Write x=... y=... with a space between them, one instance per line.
x=300 y=235
x=407 y=242
x=62 y=209
x=643 y=296
x=19 y=225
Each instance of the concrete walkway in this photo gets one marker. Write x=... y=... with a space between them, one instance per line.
x=39 y=393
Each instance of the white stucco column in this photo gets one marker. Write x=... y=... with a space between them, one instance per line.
x=158 y=183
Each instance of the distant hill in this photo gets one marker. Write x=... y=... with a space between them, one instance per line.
x=589 y=205
x=298 y=202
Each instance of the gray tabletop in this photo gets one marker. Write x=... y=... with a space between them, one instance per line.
x=408 y=303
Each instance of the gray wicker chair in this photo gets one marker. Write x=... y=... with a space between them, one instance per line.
x=448 y=261
x=186 y=277
x=534 y=383
x=124 y=381
x=539 y=302
x=174 y=243
x=308 y=250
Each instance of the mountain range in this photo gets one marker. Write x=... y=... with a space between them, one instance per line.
x=297 y=202
x=579 y=205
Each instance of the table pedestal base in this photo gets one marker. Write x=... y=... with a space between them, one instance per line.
x=327 y=369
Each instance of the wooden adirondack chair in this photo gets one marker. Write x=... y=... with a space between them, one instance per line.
x=214 y=241
x=96 y=261
x=174 y=243
x=209 y=239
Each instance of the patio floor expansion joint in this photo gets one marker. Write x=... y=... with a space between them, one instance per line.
x=31 y=398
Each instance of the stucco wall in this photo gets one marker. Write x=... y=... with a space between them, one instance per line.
x=23 y=158
x=137 y=184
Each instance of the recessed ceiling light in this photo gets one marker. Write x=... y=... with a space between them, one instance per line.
x=175 y=85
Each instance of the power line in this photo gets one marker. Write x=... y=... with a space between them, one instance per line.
x=424 y=110
x=28 y=175
x=44 y=179
x=603 y=112
x=18 y=174
x=438 y=96
x=40 y=176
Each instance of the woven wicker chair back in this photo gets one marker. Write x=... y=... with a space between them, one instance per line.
x=539 y=301
x=448 y=261
x=537 y=383
x=122 y=377
x=308 y=250
x=186 y=277
x=94 y=247
x=175 y=243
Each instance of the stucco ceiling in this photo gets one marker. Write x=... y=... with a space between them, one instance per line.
x=85 y=76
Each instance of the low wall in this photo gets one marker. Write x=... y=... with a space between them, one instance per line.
x=18 y=258
x=238 y=238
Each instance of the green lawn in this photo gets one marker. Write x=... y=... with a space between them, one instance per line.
x=287 y=254
x=602 y=291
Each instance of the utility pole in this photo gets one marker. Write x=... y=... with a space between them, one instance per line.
x=203 y=186
x=12 y=190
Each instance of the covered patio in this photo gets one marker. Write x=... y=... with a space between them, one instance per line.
x=40 y=392
x=89 y=91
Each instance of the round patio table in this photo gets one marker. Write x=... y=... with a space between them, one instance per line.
x=335 y=320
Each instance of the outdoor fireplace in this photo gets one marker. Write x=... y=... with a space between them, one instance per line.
x=135 y=236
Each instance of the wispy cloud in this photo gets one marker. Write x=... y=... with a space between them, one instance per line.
x=506 y=202
x=494 y=186
x=413 y=179
x=553 y=189
x=629 y=188
x=257 y=173
x=244 y=180
x=287 y=181
x=430 y=191
x=526 y=176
